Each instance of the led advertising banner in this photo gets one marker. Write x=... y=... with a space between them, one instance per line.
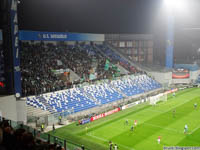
x=180 y=73
x=104 y=114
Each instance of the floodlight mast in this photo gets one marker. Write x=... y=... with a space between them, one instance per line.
x=172 y=7
x=169 y=51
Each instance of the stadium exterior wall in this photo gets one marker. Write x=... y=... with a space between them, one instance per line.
x=162 y=77
x=8 y=107
x=12 y=109
x=165 y=78
x=194 y=75
x=21 y=111
x=181 y=81
x=191 y=79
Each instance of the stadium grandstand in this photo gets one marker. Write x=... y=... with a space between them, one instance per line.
x=97 y=91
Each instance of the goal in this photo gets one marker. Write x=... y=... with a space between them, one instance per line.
x=160 y=97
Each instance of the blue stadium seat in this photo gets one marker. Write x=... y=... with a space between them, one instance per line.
x=78 y=99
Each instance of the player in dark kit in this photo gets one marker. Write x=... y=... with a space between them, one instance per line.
x=82 y=147
x=110 y=145
x=126 y=123
x=174 y=113
x=132 y=128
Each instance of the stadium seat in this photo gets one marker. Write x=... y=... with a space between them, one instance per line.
x=78 y=99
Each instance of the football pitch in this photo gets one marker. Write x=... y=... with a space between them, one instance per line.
x=153 y=121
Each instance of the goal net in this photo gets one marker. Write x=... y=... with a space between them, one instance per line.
x=160 y=97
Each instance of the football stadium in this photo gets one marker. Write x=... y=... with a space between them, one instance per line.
x=82 y=75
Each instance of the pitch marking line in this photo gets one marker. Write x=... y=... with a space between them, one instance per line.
x=194 y=130
x=167 y=110
x=102 y=139
x=153 y=125
x=178 y=113
x=169 y=129
x=164 y=111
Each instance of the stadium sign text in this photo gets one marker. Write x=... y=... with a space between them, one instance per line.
x=104 y=114
x=15 y=46
x=53 y=36
x=15 y=27
x=84 y=121
x=25 y=35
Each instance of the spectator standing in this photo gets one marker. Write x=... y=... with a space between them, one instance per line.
x=60 y=119
x=53 y=128
x=42 y=127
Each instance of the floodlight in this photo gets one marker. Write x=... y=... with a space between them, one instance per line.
x=175 y=5
x=169 y=3
x=198 y=51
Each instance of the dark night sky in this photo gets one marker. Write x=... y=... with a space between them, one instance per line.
x=113 y=16
x=97 y=16
x=101 y=16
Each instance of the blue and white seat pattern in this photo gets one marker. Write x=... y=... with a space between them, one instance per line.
x=79 y=99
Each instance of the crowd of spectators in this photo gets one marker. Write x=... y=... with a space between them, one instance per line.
x=21 y=139
x=39 y=60
x=36 y=64
x=115 y=57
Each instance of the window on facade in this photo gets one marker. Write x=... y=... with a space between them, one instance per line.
x=129 y=44
x=121 y=44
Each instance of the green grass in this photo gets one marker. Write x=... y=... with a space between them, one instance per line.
x=153 y=121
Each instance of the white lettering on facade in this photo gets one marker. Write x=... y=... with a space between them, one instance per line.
x=15 y=18
x=58 y=36
x=14 y=5
x=17 y=52
x=15 y=29
x=16 y=42
x=45 y=36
